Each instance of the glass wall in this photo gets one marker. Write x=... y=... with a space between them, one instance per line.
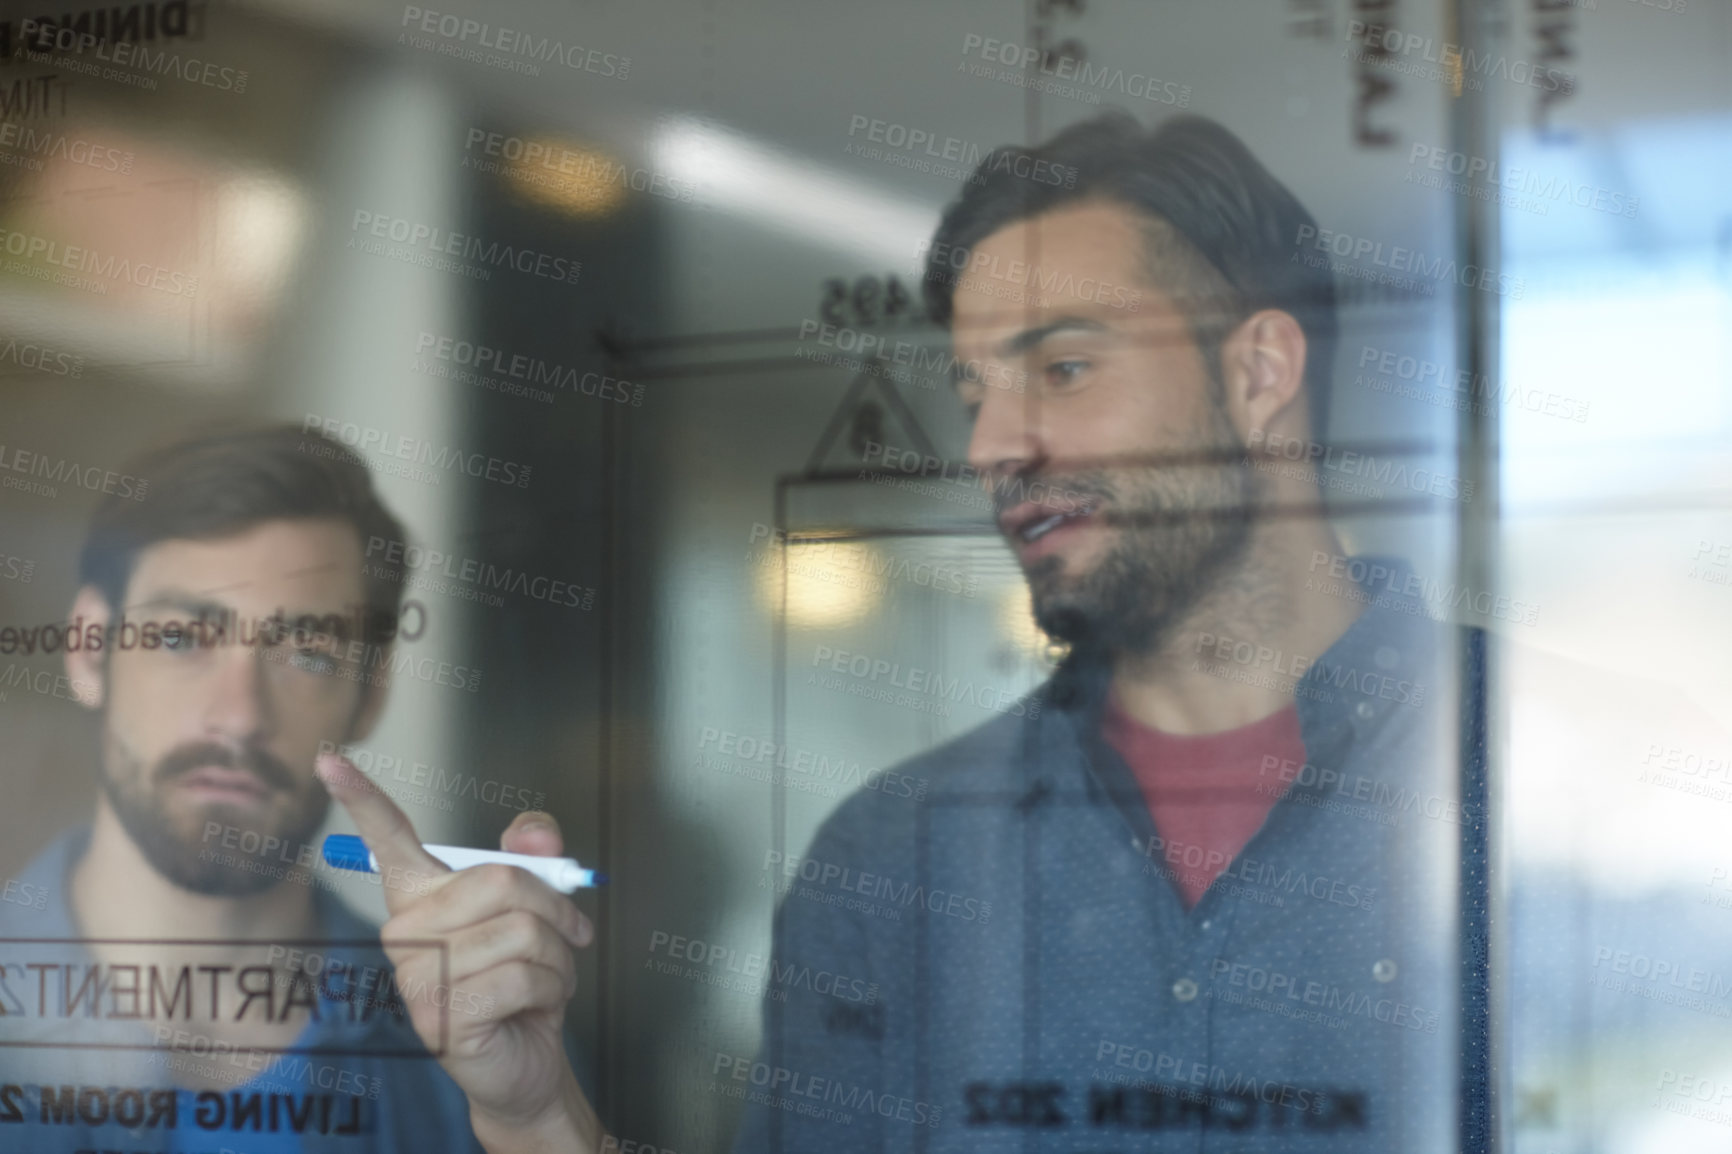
x=1095 y=575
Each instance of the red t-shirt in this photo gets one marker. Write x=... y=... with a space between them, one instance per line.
x=1208 y=794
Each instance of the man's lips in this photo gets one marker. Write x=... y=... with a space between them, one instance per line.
x=1028 y=523
x=232 y=781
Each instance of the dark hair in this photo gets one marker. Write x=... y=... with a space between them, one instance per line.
x=1223 y=237
x=222 y=483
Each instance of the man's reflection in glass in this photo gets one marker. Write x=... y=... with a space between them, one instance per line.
x=231 y=633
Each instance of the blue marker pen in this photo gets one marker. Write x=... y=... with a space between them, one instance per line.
x=347 y=852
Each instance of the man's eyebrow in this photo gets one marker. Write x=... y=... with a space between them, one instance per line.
x=1028 y=338
x=189 y=603
x=196 y=605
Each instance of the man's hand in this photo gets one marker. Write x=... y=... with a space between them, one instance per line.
x=509 y=941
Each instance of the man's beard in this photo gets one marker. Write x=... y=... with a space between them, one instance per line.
x=1180 y=530
x=184 y=856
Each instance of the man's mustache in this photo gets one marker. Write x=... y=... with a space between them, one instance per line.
x=270 y=770
x=1061 y=493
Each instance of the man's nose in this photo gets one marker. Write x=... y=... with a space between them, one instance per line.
x=239 y=706
x=1006 y=439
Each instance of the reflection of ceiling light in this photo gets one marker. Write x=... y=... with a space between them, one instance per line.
x=586 y=182
x=260 y=222
x=782 y=192
x=829 y=585
x=189 y=255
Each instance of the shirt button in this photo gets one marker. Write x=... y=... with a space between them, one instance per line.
x=1384 y=969
x=1207 y=923
x=1386 y=657
x=1365 y=710
x=1185 y=990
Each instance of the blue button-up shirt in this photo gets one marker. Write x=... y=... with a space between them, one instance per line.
x=338 y=1091
x=1033 y=982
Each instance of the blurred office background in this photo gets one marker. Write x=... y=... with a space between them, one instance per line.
x=732 y=176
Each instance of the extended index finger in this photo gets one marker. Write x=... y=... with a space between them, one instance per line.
x=386 y=829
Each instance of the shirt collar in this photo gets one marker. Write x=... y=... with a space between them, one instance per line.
x=1378 y=665
x=51 y=873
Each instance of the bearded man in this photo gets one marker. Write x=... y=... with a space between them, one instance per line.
x=189 y=978
x=1177 y=899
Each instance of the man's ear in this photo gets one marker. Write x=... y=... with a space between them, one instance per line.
x=87 y=666
x=1262 y=369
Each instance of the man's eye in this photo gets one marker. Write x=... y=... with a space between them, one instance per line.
x=1066 y=372
x=182 y=642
